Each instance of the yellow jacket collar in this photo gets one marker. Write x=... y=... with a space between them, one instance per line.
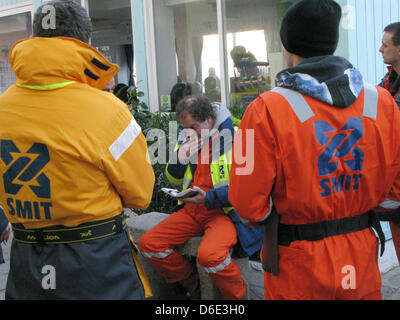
x=51 y=63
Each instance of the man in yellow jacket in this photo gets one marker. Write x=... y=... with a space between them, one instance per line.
x=72 y=157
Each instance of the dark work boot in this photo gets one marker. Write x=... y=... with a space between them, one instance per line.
x=192 y=285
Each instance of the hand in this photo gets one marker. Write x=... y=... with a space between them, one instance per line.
x=190 y=147
x=199 y=199
x=6 y=234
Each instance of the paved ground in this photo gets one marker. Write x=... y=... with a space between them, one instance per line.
x=388 y=264
x=4 y=268
x=391 y=284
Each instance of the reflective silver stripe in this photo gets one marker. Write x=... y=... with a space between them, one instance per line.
x=390 y=204
x=125 y=140
x=221 y=184
x=297 y=102
x=271 y=204
x=219 y=268
x=187 y=182
x=370 y=101
x=158 y=255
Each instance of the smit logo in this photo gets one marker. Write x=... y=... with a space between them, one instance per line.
x=340 y=146
x=25 y=169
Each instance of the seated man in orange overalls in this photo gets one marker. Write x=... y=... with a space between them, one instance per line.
x=209 y=128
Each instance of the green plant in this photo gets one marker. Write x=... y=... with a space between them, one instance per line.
x=161 y=202
x=134 y=103
x=237 y=110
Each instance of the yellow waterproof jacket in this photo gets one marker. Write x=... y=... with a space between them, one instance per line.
x=70 y=153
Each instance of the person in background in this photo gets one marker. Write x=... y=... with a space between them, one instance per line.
x=202 y=161
x=179 y=91
x=211 y=91
x=244 y=61
x=390 y=51
x=197 y=88
x=121 y=92
x=212 y=74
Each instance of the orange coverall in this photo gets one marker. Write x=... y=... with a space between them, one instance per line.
x=286 y=175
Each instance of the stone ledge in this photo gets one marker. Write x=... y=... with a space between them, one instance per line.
x=139 y=225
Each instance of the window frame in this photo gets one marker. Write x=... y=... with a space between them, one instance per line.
x=150 y=45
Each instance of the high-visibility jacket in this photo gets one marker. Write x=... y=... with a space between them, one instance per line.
x=391 y=82
x=70 y=153
x=220 y=168
x=312 y=169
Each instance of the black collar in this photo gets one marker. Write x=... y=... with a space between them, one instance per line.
x=394 y=81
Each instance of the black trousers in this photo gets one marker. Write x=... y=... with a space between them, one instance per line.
x=101 y=269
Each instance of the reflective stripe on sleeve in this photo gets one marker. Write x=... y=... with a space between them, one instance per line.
x=271 y=205
x=390 y=204
x=371 y=97
x=125 y=140
x=187 y=182
x=297 y=102
x=221 y=184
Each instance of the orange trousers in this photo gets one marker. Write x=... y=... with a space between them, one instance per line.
x=343 y=267
x=219 y=236
x=395 y=229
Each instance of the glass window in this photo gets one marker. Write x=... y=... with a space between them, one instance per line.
x=187 y=44
x=12 y=29
x=112 y=36
x=187 y=50
x=254 y=50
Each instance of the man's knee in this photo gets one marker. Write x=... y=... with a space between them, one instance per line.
x=144 y=242
x=202 y=256
x=209 y=258
x=152 y=248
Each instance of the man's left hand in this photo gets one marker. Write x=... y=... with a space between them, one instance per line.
x=199 y=199
x=6 y=234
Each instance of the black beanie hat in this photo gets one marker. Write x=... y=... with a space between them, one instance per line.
x=310 y=28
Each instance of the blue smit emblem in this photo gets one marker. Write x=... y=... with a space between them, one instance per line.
x=340 y=146
x=26 y=169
